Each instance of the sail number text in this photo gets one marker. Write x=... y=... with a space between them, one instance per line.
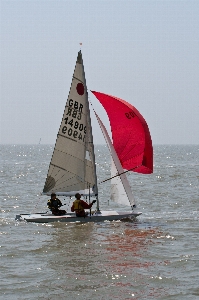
x=130 y=115
x=72 y=127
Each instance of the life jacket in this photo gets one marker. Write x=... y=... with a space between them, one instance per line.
x=53 y=203
x=78 y=206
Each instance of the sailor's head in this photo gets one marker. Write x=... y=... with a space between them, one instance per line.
x=53 y=195
x=77 y=196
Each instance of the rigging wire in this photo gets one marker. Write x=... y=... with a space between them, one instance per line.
x=36 y=203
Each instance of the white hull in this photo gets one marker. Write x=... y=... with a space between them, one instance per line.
x=71 y=217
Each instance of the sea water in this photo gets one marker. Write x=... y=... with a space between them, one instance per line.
x=154 y=257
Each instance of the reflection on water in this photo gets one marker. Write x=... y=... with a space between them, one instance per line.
x=97 y=257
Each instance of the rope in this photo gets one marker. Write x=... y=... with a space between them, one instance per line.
x=36 y=203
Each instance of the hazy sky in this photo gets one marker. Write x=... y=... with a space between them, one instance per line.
x=145 y=52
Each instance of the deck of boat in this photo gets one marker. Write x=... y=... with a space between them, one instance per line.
x=71 y=217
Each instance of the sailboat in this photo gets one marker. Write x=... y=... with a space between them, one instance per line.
x=72 y=167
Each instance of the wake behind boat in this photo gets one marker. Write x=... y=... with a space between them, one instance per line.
x=72 y=168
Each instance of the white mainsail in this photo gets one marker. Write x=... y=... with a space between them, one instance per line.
x=120 y=188
x=72 y=168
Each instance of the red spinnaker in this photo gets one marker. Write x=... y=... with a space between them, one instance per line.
x=130 y=134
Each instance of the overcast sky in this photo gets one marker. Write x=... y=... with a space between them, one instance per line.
x=145 y=52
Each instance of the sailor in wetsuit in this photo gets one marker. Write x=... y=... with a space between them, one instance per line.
x=79 y=206
x=54 y=204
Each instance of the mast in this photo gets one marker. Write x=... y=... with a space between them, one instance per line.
x=89 y=143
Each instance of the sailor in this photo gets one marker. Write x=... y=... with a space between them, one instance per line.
x=54 y=204
x=79 y=206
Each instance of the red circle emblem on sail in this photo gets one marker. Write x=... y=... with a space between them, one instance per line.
x=80 y=89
